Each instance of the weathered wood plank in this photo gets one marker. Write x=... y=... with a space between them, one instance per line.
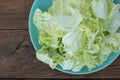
x=9 y=40
x=15 y=6
x=17 y=59
x=14 y=14
x=14 y=23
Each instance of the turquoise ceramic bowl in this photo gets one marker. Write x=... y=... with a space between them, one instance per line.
x=44 y=5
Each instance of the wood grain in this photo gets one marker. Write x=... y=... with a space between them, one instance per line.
x=17 y=55
x=14 y=14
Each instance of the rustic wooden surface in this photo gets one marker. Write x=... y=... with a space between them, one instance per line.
x=17 y=55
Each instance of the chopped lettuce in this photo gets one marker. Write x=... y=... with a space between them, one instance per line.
x=100 y=6
x=67 y=17
x=115 y=23
x=72 y=42
x=78 y=33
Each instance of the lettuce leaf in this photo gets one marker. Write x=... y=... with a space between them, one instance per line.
x=67 y=17
x=49 y=56
x=72 y=42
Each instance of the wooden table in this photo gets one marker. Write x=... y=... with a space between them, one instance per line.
x=17 y=55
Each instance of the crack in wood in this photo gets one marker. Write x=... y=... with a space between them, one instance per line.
x=17 y=47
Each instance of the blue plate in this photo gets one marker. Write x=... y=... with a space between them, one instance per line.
x=44 y=5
